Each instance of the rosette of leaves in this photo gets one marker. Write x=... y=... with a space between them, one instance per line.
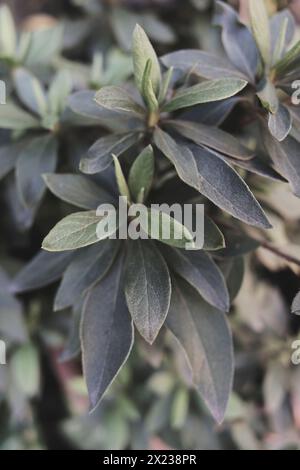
x=202 y=155
x=30 y=48
x=35 y=120
x=119 y=19
x=265 y=57
x=113 y=285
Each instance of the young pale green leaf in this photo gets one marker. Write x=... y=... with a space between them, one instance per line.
x=44 y=269
x=121 y=180
x=44 y=45
x=143 y=51
x=213 y=90
x=99 y=156
x=37 y=157
x=30 y=91
x=201 y=272
x=141 y=174
x=88 y=267
x=164 y=228
x=280 y=41
x=147 y=89
x=261 y=28
x=77 y=190
x=74 y=231
x=204 y=335
x=214 y=178
x=166 y=80
x=14 y=118
x=283 y=28
x=212 y=137
x=287 y=63
x=118 y=99
x=147 y=288
x=280 y=123
x=8 y=34
x=25 y=370
x=268 y=97
x=59 y=91
x=106 y=334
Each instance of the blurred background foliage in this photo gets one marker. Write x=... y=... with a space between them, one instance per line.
x=152 y=404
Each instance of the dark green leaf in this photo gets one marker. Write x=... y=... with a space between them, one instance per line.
x=8 y=157
x=106 y=334
x=37 y=157
x=147 y=288
x=44 y=269
x=203 y=64
x=212 y=137
x=237 y=40
x=100 y=154
x=214 y=178
x=286 y=158
x=204 y=335
x=87 y=268
x=201 y=272
x=77 y=190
